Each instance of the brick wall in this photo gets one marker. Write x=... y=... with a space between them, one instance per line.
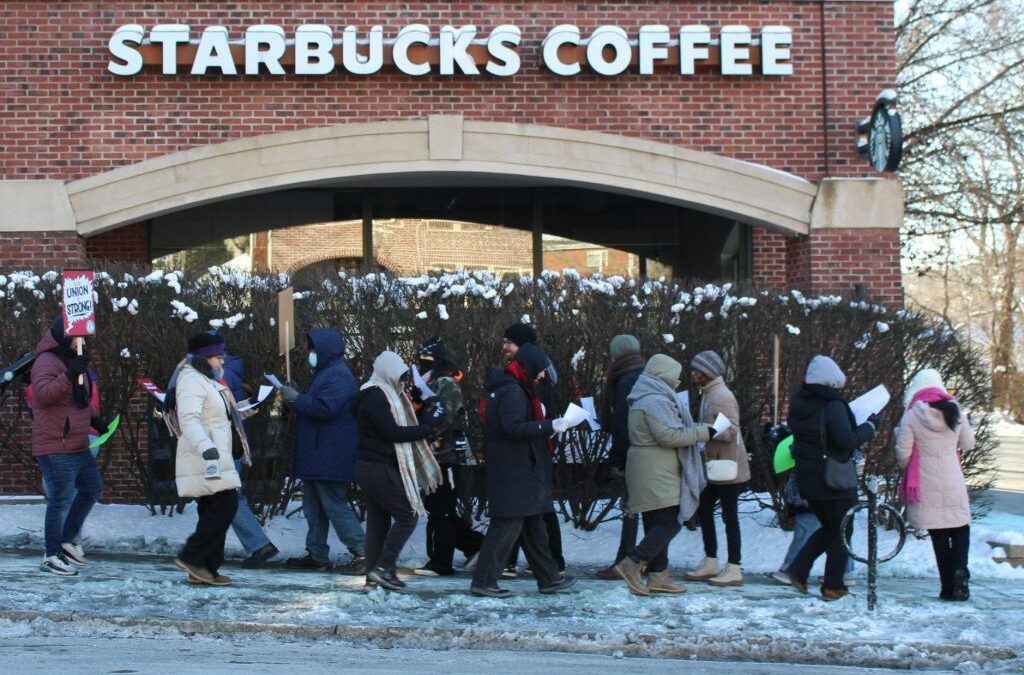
x=842 y=258
x=40 y=250
x=770 y=258
x=125 y=244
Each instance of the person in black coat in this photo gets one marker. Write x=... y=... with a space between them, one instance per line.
x=625 y=368
x=820 y=416
x=517 y=455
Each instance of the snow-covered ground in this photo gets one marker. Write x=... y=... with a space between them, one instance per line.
x=132 y=588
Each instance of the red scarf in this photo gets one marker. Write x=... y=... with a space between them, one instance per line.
x=519 y=374
x=910 y=486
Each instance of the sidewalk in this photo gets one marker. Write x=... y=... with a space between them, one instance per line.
x=762 y=621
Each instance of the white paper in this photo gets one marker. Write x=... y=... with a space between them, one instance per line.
x=869 y=403
x=273 y=380
x=574 y=415
x=684 y=399
x=588 y=405
x=721 y=424
x=426 y=392
x=160 y=396
x=260 y=398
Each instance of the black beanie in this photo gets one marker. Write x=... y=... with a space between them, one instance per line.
x=434 y=348
x=521 y=334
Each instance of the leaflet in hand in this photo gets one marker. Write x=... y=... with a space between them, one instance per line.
x=574 y=415
x=421 y=384
x=870 y=403
x=260 y=398
x=588 y=405
x=721 y=424
x=273 y=380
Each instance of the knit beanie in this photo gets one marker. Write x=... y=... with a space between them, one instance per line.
x=520 y=334
x=929 y=377
x=624 y=344
x=206 y=344
x=825 y=371
x=665 y=368
x=709 y=363
x=434 y=348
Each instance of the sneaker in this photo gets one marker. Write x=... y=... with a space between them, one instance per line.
x=490 y=591
x=779 y=576
x=356 y=567
x=307 y=562
x=74 y=554
x=385 y=578
x=260 y=556
x=425 y=571
x=509 y=573
x=59 y=565
x=559 y=586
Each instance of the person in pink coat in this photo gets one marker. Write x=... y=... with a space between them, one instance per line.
x=932 y=434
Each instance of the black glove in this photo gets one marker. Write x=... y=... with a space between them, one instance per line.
x=437 y=415
x=77 y=366
x=97 y=423
x=875 y=419
x=711 y=431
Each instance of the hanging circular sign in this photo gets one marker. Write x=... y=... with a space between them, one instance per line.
x=885 y=136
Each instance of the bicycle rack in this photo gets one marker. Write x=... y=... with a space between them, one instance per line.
x=874 y=510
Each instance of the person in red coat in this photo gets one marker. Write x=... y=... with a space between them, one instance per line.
x=61 y=418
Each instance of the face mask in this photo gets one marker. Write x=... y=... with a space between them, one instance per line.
x=312 y=359
x=424 y=366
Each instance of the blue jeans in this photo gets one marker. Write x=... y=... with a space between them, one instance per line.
x=804 y=525
x=73 y=484
x=246 y=527
x=325 y=503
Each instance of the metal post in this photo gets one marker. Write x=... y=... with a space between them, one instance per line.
x=369 y=263
x=538 y=236
x=872 y=545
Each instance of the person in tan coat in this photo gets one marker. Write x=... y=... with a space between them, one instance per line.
x=204 y=467
x=932 y=433
x=664 y=474
x=707 y=370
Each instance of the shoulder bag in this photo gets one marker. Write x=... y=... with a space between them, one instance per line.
x=839 y=476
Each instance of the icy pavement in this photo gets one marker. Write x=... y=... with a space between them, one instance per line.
x=762 y=621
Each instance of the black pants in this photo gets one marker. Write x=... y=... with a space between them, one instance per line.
x=446 y=529
x=728 y=496
x=390 y=520
x=205 y=547
x=630 y=525
x=660 y=528
x=951 y=547
x=829 y=538
x=498 y=542
x=554 y=534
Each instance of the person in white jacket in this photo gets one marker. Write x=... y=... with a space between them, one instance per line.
x=204 y=467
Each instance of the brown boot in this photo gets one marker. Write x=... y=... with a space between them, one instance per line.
x=830 y=594
x=661 y=582
x=631 y=572
x=608 y=573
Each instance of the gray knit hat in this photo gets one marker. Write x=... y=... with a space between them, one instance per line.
x=709 y=363
x=624 y=344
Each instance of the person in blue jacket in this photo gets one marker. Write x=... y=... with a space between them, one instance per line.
x=326 y=437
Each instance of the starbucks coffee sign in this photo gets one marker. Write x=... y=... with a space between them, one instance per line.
x=416 y=50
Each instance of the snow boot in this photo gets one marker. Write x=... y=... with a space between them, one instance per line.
x=59 y=565
x=356 y=567
x=708 y=568
x=732 y=575
x=661 y=582
x=607 y=573
x=74 y=554
x=631 y=572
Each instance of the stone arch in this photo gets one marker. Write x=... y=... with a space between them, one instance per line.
x=442 y=146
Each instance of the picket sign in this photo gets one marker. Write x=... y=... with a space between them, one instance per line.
x=78 y=307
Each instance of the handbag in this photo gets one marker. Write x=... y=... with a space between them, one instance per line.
x=722 y=470
x=839 y=476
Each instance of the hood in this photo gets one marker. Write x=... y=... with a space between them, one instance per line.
x=532 y=359
x=389 y=367
x=929 y=377
x=931 y=418
x=48 y=344
x=665 y=368
x=329 y=345
x=235 y=366
x=807 y=402
x=823 y=370
x=649 y=385
x=496 y=377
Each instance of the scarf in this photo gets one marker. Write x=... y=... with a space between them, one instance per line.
x=910 y=484
x=202 y=366
x=416 y=463
x=624 y=364
x=654 y=397
x=519 y=374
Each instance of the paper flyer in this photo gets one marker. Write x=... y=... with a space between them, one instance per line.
x=588 y=405
x=721 y=424
x=260 y=398
x=870 y=403
x=426 y=392
x=273 y=380
x=574 y=415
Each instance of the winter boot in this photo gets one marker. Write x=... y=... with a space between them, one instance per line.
x=631 y=572
x=607 y=573
x=708 y=568
x=961 y=589
x=732 y=575
x=831 y=594
x=356 y=567
x=661 y=582
x=201 y=573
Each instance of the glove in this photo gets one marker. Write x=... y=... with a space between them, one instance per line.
x=437 y=415
x=560 y=425
x=212 y=457
x=77 y=366
x=97 y=423
x=711 y=431
x=875 y=420
x=289 y=394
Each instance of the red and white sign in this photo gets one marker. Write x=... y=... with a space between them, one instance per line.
x=152 y=387
x=79 y=304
